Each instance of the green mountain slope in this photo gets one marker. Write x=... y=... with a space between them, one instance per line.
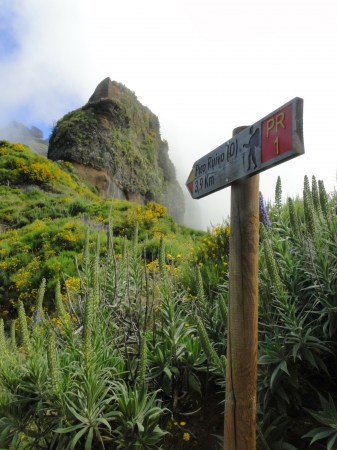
x=45 y=209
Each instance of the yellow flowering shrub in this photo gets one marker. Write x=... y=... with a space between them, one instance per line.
x=17 y=163
x=4 y=252
x=146 y=215
x=48 y=251
x=216 y=245
x=70 y=233
x=22 y=278
x=37 y=225
x=21 y=164
x=66 y=179
x=10 y=263
x=64 y=200
x=40 y=172
x=18 y=146
x=156 y=209
x=87 y=193
x=73 y=284
x=153 y=266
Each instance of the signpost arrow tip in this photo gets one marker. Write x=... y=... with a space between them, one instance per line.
x=189 y=182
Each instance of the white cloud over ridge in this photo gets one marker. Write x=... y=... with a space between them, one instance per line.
x=203 y=66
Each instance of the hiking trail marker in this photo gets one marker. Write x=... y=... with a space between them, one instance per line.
x=272 y=140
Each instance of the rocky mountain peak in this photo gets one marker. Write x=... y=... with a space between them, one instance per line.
x=114 y=141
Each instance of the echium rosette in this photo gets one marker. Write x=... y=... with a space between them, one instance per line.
x=263 y=215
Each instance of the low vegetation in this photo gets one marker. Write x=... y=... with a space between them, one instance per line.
x=124 y=345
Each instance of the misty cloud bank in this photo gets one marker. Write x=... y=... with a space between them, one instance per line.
x=203 y=68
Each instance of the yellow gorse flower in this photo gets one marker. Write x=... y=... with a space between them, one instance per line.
x=186 y=436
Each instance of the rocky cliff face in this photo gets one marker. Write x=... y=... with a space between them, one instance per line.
x=114 y=142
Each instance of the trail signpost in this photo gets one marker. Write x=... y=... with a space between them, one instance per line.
x=272 y=140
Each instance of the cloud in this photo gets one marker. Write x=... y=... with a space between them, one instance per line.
x=38 y=75
x=204 y=67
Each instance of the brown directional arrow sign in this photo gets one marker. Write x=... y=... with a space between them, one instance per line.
x=270 y=141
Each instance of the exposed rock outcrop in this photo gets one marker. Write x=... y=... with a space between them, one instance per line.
x=106 y=89
x=119 y=140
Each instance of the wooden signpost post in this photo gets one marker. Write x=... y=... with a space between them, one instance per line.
x=272 y=140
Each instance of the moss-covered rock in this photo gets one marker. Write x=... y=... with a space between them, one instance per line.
x=119 y=137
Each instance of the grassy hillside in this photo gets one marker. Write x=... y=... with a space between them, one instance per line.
x=45 y=209
x=127 y=350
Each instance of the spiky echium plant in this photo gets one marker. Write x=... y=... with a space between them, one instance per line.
x=278 y=194
x=60 y=309
x=323 y=199
x=95 y=277
x=87 y=327
x=223 y=308
x=39 y=302
x=293 y=218
x=315 y=197
x=306 y=184
x=309 y=214
x=142 y=359
x=124 y=248
x=52 y=361
x=135 y=239
x=207 y=346
x=109 y=244
x=3 y=344
x=263 y=214
x=161 y=257
x=270 y=260
x=307 y=189
x=23 y=328
x=200 y=291
x=86 y=252
x=12 y=337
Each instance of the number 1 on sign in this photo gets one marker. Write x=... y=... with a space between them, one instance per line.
x=276 y=144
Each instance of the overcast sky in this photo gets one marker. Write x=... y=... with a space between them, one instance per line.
x=203 y=67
